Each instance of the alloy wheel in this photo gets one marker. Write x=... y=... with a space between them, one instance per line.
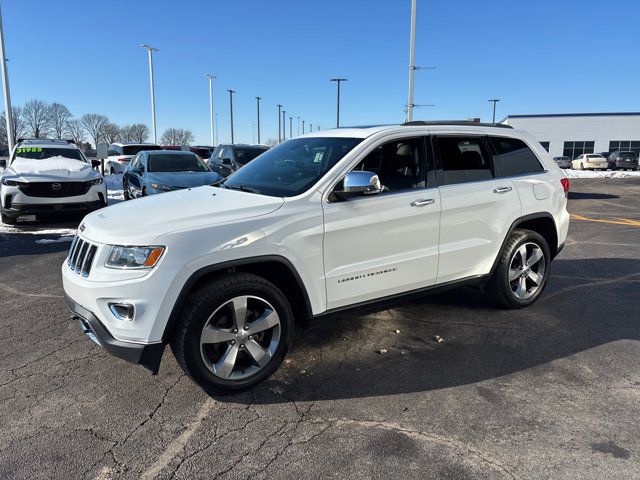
x=240 y=337
x=526 y=270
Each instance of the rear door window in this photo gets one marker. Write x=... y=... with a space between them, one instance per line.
x=463 y=159
x=513 y=157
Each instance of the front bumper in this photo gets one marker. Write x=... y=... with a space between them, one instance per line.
x=147 y=355
x=19 y=209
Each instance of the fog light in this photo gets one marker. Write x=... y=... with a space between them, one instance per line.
x=122 y=311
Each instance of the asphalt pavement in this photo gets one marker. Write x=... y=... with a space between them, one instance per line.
x=551 y=391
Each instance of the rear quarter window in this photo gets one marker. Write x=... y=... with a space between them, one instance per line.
x=513 y=157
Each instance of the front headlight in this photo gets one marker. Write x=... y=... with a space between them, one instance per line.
x=97 y=181
x=159 y=186
x=10 y=183
x=134 y=257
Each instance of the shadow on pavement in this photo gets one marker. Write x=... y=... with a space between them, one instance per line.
x=336 y=357
x=590 y=196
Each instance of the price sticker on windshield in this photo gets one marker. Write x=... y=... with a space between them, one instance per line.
x=29 y=150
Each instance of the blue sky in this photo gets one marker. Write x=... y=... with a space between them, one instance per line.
x=538 y=57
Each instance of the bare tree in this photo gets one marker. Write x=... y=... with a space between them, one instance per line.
x=177 y=136
x=36 y=118
x=138 y=132
x=19 y=128
x=75 y=130
x=111 y=133
x=58 y=116
x=271 y=142
x=94 y=124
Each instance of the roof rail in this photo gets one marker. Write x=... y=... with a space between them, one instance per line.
x=467 y=123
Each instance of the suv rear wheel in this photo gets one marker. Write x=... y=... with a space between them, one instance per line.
x=234 y=332
x=522 y=270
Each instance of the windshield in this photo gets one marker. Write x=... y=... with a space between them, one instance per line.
x=245 y=155
x=292 y=167
x=176 y=163
x=40 y=153
x=133 y=149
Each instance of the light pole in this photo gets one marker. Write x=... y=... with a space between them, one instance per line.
x=150 y=49
x=412 y=48
x=318 y=127
x=415 y=105
x=298 y=124
x=284 y=125
x=258 y=105
x=5 y=88
x=231 y=92
x=279 y=124
x=211 y=77
x=303 y=127
x=290 y=127
x=338 y=81
x=311 y=127
x=494 y=100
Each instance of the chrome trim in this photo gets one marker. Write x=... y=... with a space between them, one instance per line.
x=502 y=190
x=422 y=203
x=114 y=311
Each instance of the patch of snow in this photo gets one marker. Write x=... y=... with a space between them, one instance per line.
x=601 y=174
x=26 y=229
x=54 y=240
x=53 y=165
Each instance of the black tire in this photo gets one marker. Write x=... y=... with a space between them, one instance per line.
x=7 y=220
x=125 y=191
x=201 y=304
x=499 y=287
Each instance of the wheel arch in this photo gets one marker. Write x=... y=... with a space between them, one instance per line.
x=273 y=268
x=542 y=223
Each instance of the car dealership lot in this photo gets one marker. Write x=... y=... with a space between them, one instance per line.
x=547 y=392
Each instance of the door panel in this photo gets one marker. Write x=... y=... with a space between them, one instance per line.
x=475 y=219
x=380 y=245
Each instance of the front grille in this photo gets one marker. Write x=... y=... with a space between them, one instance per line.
x=81 y=255
x=55 y=189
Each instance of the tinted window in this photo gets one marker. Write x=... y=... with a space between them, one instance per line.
x=133 y=149
x=292 y=167
x=513 y=157
x=400 y=164
x=464 y=159
x=245 y=155
x=40 y=153
x=175 y=163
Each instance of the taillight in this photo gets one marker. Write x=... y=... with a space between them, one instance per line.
x=565 y=184
x=124 y=160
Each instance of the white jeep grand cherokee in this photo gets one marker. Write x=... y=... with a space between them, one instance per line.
x=320 y=223
x=49 y=177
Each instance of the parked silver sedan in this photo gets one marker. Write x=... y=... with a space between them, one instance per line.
x=562 y=162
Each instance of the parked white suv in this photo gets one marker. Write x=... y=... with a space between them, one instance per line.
x=49 y=177
x=320 y=223
x=119 y=155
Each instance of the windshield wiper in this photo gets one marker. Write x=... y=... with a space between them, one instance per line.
x=242 y=188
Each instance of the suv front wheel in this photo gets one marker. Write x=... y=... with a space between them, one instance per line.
x=522 y=270
x=234 y=332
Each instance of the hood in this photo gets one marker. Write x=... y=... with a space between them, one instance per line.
x=54 y=168
x=183 y=179
x=140 y=221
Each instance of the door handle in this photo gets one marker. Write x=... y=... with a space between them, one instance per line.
x=502 y=190
x=422 y=203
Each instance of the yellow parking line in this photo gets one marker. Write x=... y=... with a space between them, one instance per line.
x=616 y=221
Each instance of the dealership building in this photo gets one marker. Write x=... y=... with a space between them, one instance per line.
x=572 y=134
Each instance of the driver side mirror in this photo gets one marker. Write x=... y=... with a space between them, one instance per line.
x=359 y=183
x=226 y=161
